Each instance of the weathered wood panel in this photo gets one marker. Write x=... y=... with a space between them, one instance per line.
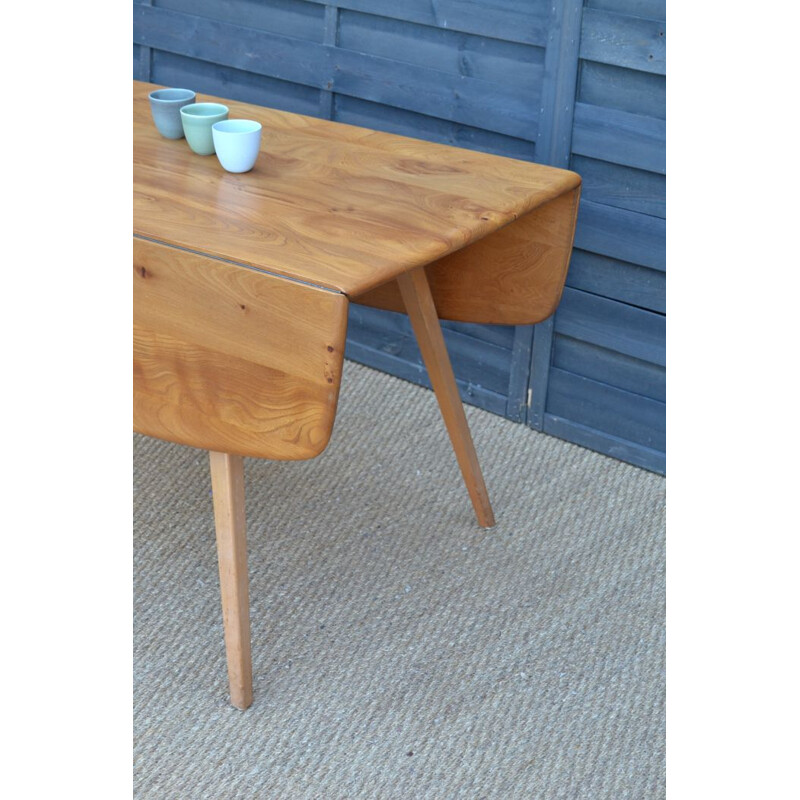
x=300 y=20
x=217 y=80
x=617 y=326
x=609 y=367
x=652 y=9
x=460 y=98
x=618 y=280
x=607 y=409
x=622 y=187
x=626 y=235
x=620 y=137
x=444 y=50
x=355 y=111
x=523 y=21
x=606 y=387
x=640 y=93
x=624 y=41
x=602 y=442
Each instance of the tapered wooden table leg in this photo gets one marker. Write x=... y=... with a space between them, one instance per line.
x=422 y=313
x=227 y=484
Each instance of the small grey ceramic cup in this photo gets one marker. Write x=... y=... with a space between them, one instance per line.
x=166 y=105
x=197 y=121
x=237 y=142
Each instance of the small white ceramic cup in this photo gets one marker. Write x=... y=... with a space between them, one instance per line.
x=237 y=142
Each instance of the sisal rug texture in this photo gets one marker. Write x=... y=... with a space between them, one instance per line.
x=400 y=652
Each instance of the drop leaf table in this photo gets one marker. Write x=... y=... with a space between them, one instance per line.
x=242 y=282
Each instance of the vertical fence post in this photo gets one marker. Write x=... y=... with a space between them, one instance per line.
x=553 y=147
x=330 y=37
x=145 y=56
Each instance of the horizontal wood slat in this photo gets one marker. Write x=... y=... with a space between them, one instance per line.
x=606 y=366
x=622 y=187
x=171 y=69
x=441 y=49
x=300 y=20
x=605 y=408
x=260 y=52
x=651 y=9
x=511 y=110
x=641 y=93
x=621 y=234
x=382 y=117
x=623 y=41
x=616 y=326
x=523 y=21
x=618 y=280
x=620 y=137
x=602 y=442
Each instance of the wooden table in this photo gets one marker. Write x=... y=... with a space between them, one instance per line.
x=242 y=284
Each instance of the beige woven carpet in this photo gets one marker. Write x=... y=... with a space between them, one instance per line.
x=399 y=651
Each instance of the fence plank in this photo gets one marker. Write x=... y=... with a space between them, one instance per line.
x=625 y=415
x=420 y=126
x=512 y=110
x=652 y=9
x=626 y=235
x=624 y=41
x=220 y=81
x=247 y=49
x=286 y=17
x=601 y=442
x=522 y=21
x=618 y=280
x=620 y=137
x=606 y=366
x=613 y=325
x=622 y=187
x=640 y=93
x=441 y=49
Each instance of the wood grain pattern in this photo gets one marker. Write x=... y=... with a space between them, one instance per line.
x=233 y=360
x=422 y=313
x=338 y=206
x=514 y=276
x=227 y=484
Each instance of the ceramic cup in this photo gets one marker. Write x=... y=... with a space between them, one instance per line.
x=237 y=142
x=166 y=105
x=197 y=121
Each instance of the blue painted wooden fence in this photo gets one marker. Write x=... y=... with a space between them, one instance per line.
x=574 y=83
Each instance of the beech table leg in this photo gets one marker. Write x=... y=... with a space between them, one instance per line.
x=227 y=484
x=422 y=313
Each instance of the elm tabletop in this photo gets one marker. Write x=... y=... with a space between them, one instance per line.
x=242 y=283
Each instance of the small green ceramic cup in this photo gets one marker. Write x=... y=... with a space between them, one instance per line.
x=197 y=120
